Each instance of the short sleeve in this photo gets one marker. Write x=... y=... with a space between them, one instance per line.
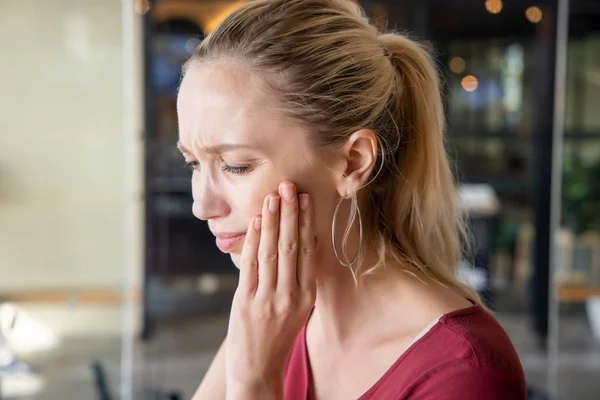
x=470 y=381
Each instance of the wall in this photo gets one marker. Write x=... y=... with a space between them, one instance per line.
x=70 y=165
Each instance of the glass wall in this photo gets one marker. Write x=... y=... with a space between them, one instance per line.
x=574 y=351
x=502 y=103
x=70 y=204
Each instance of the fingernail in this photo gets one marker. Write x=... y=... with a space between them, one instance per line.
x=289 y=193
x=257 y=223
x=304 y=201
x=274 y=204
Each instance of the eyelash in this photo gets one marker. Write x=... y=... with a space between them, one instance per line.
x=232 y=169
x=192 y=165
x=235 y=169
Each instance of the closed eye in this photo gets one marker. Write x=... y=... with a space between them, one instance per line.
x=192 y=165
x=235 y=169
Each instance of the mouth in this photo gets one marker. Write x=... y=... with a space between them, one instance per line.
x=227 y=242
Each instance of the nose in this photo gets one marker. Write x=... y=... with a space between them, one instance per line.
x=208 y=202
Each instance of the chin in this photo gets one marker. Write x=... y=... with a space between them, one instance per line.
x=235 y=257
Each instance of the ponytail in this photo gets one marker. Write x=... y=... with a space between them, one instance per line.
x=429 y=230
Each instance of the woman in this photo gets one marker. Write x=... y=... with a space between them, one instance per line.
x=318 y=162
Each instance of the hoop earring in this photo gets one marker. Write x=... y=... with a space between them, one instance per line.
x=354 y=203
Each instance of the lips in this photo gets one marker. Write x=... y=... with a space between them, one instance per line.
x=227 y=242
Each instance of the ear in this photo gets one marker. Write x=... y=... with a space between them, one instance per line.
x=359 y=154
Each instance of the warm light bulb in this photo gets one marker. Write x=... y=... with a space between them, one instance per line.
x=457 y=65
x=534 y=14
x=469 y=83
x=493 y=6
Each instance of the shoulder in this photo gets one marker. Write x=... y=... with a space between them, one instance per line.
x=469 y=355
x=465 y=380
x=481 y=338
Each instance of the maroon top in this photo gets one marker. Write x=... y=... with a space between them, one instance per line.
x=466 y=355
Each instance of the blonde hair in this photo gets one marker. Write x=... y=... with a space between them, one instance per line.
x=334 y=72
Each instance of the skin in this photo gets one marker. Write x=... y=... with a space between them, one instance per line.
x=287 y=265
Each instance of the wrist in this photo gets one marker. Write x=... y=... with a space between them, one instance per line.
x=265 y=390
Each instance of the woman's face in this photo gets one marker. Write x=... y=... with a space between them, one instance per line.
x=241 y=149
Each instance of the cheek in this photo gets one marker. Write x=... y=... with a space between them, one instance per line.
x=247 y=204
x=246 y=195
x=323 y=198
x=323 y=220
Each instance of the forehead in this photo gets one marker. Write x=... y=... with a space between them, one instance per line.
x=211 y=83
x=217 y=99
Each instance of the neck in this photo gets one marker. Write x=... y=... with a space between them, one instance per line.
x=395 y=302
x=342 y=309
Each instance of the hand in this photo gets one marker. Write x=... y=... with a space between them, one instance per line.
x=274 y=297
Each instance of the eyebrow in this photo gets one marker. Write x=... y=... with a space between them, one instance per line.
x=217 y=149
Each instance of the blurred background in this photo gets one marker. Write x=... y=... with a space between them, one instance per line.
x=110 y=288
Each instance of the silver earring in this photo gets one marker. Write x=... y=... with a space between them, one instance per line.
x=353 y=213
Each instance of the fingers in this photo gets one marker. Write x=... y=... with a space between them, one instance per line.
x=267 y=249
x=249 y=257
x=286 y=248
x=287 y=280
x=307 y=245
